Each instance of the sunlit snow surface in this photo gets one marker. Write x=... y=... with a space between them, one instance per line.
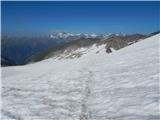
x=122 y=85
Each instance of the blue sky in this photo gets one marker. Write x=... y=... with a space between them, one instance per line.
x=85 y=17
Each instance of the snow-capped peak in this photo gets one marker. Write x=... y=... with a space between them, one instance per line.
x=94 y=35
x=65 y=35
x=71 y=36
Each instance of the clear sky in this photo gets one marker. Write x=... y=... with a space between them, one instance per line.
x=85 y=17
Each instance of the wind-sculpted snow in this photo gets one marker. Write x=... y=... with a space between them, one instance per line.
x=122 y=85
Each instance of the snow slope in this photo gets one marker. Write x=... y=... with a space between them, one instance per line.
x=123 y=85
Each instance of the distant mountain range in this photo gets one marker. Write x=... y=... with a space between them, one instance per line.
x=112 y=41
x=22 y=50
x=71 y=36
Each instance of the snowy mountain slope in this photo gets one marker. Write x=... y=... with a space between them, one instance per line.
x=78 y=52
x=122 y=85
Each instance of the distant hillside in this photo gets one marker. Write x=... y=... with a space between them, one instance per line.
x=26 y=50
x=20 y=48
x=118 y=42
x=113 y=41
x=59 y=49
x=154 y=33
x=7 y=62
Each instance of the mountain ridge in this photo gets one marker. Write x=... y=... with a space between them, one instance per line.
x=112 y=41
x=24 y=50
